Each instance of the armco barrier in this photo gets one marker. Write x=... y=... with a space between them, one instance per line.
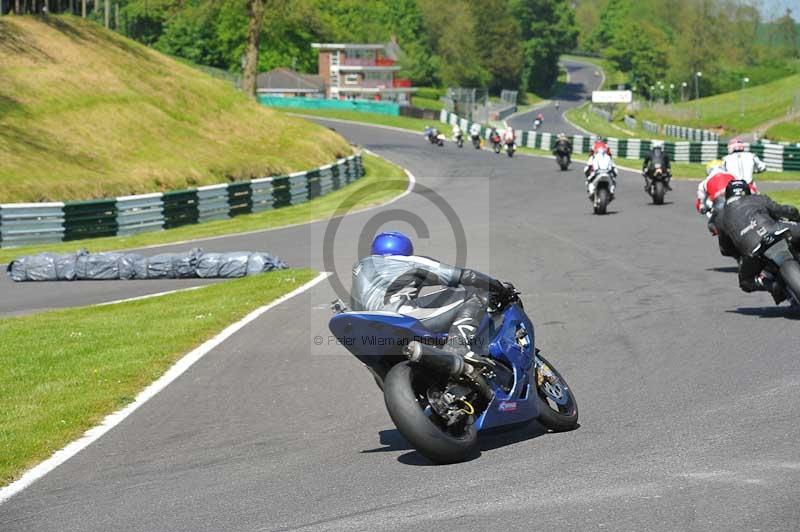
x=690 y=133
x=778 y=157
x=33 y=223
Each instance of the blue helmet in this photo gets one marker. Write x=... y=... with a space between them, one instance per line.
x=392 y=243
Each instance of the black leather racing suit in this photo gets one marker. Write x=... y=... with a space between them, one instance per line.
x=393 y=283
x=562 y=147
x=656 y=156
x=742 y=224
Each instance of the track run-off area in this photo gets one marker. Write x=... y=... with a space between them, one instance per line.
x=689 y=389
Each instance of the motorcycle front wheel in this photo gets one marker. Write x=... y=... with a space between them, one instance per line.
x=658 y=193
x=601 y=202
x=406 y=401
x=558 y=410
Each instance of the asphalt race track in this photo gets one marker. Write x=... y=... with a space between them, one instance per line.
x=689 y=389
x=580 y=84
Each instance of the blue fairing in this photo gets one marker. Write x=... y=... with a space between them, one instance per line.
x=377 y=338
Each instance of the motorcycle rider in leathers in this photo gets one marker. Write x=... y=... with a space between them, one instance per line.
x=744 y=221
x=390 y=279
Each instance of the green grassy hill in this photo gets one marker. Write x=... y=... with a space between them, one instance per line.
x=86 y=113
x=761 y=104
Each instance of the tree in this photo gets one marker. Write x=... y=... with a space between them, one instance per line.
x=498 y=43
x=548 y=29
x=255 y=12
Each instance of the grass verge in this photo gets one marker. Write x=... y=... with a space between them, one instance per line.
x=62 y=371
x=381 y=190
x=790 y=197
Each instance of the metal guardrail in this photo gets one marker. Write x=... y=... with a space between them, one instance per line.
x=33 y=223
x=778 y=157
x=690 y=133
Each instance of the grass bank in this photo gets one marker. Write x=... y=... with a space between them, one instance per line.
x=62 y=371
x=383 y=179
x=762 y=103
x=788 y=131
x=86 y=113
x=791 y=197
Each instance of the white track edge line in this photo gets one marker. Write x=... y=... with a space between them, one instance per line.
x=150 y=296
x=175 y=371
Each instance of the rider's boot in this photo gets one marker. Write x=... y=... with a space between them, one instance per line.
x=768 y=283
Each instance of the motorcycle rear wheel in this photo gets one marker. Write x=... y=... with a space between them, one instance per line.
x=406 y=408
x=558 y=410
x=790 y=273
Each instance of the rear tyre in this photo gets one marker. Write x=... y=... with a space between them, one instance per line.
x=558 y=410
x=406 y=407
x=602 y=201
x=658 y=193
x=790 y=273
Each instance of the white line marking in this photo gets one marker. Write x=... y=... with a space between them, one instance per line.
x=112 y=420
x=148 y=296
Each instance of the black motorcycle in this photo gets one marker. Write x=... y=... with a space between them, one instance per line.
x=476 y=141
x=460 y=140
x=781 y=260
x=497 y=144
x=563 y=159
x=658 y=178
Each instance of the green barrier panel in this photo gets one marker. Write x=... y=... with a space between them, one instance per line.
x=644 y=149
x=87 y=219
x=281 y=196
x=240 y=198
x=695 y=152
x=758 y=149
x=361 y=106
x=524 y=138
x=622 y=148
x=313 y=184
x=722 y=151
x=669 y=149
x=180 y=208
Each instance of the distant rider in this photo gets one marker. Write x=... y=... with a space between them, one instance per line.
x=457 y=132
x=509 y=136
x=428 y=131
x=562 y=146
x=600 y=156
x=742 y=164
x=390 y=279
x=656 y=157
x=475 y=131
x=745 y=220
x=711 y=190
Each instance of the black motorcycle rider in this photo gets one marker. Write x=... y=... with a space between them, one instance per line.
x=562 y=146
x=656 y=156
x=390 y=279
x=743 y=222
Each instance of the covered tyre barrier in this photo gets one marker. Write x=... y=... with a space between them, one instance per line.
x=83 y=265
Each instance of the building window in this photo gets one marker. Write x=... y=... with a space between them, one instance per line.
x=351 y=79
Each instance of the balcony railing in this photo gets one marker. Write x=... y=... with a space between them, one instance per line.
x=358 y=61
x=380 y=84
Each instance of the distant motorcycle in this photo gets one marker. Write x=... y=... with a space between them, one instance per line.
x=537 y=124
x=497 y=143
x=436 y=138
x=563 y=159
x=511 y=147
x=459 y=140
x=476 y=141
x=601 y=183
x=658 y=184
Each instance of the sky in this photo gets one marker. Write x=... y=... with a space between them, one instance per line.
x=771 y=9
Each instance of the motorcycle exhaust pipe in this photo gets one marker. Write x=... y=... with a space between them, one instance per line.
x=435 y=359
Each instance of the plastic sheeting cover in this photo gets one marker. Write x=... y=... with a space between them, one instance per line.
x=104 y=266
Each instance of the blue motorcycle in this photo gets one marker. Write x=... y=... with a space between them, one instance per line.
x=439 y=401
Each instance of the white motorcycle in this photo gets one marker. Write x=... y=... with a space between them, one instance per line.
x=601 y=185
